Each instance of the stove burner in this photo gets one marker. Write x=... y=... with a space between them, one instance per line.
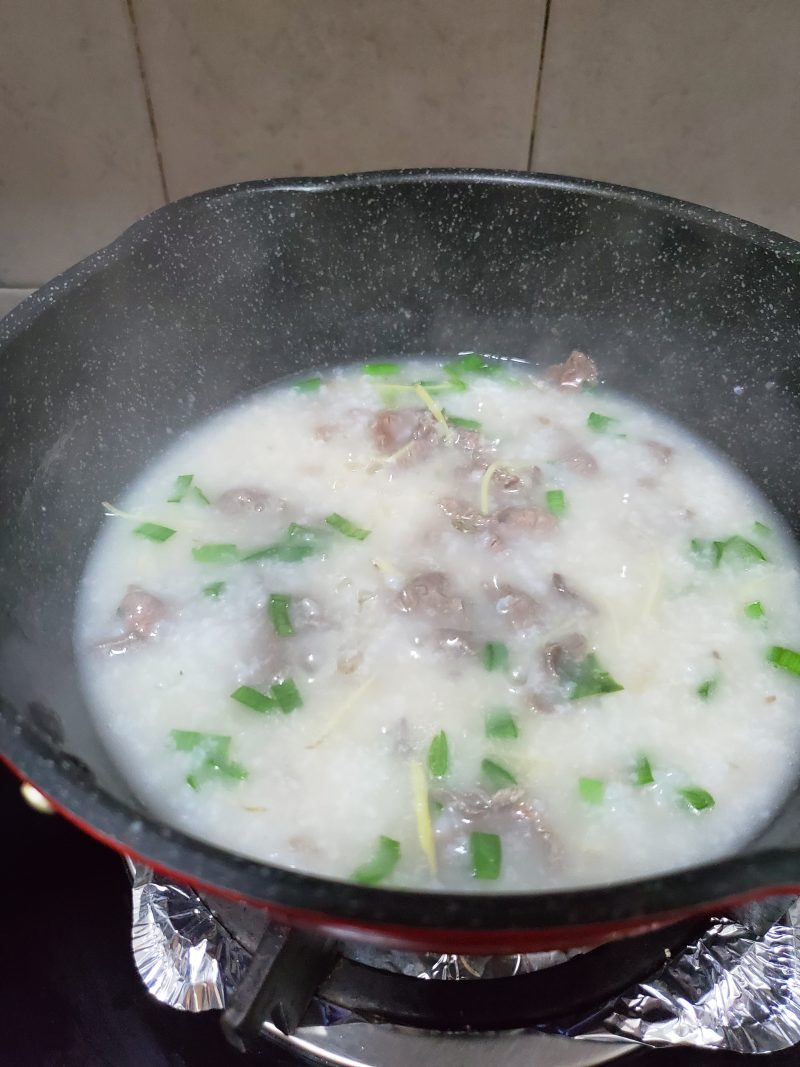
x=735 y=986
x=279 y=988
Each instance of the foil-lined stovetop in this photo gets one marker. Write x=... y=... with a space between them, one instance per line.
x=736 y=987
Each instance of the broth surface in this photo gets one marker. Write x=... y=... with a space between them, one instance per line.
x=498 y=631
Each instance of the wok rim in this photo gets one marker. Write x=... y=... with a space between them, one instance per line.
x=587 y=913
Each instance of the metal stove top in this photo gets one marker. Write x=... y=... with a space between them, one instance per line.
x=733 y=983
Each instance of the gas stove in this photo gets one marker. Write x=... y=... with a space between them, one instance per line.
x=731 y=983
x=358 y=1004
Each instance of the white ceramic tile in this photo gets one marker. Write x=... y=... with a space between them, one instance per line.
x=78 y=162
x=247 y=89
x=696 y=98
x=9 y=298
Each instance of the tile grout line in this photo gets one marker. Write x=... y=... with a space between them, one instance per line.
x=538 y=89
x=151 y=115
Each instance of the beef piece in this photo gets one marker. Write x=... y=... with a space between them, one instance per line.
x=242 y=499
x=511 y=482
x=508 y=481
x=577 y=459
x=539 y=703
x=473 y=805
x=561 y=587
x=479 y=452
x=534 y=519
x=459 y=642
x=140 y=614
x=578 y=370
x=469 y=440
x=663 y=453
x=493 y=541
x=504 y=812
x=463 y=516
x=429 y=595
x=394 y=428
x=521 y=609
x=560 y=655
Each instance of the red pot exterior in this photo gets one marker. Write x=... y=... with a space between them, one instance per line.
x=431 y=939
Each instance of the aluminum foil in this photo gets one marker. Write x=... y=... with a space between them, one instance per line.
x=448 y=966
x=184 y=957
x=737 y=987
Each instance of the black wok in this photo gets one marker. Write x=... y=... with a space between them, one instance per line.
x=696 y=313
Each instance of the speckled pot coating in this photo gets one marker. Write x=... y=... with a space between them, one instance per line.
x=694 y=312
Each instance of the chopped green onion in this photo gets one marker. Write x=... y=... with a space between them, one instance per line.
x=214 y=589
x=500 y=723
x=213 y=752
x=386 y=858
x=282 y=551
x=471 y=363
x=183 y=489
x=556 y=502
x=602 y=423
x=344 y=526
x=494 y=656
x=198 y=496
x=284 y=695
x=462 y=424
x=741 y=551
x=278 y=611
x=297 y=543
x=589 y=679
x=180 y=489
x=154 y=532
x=308 y=385
x=708 y=688
x=696 y=798
x=592 y=790
x=642 y=772
x=216 y=553
x=755 y=610
x=498 y=776
x=785 y=658
x=439 y=755
x=211 y=769
x=254 y=699
x=188 y=740
x=287 y=695
x=735 y=549
x=486 y=851
x=708 y=553
x=762 y=528
x=382 y=370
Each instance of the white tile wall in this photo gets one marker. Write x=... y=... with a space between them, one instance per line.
x=246 y=89
x=697 y=98
x=77 y=162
